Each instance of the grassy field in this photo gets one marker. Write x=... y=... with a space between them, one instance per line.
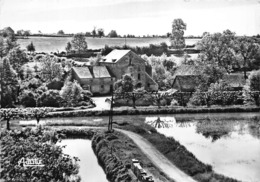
x=54 y=44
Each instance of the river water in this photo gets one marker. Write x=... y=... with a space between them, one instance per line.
x=230 y=142
x=89 y=170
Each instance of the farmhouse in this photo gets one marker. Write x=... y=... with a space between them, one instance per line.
x=121 y=62
x=186 y=78
x=100 y=79
x=235 y=80
x=97 y=79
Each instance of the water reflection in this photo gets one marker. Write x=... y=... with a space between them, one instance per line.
x=159 y=122
x=231 y=146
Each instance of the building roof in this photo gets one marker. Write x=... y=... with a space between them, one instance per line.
x=115 y=55
x=83 y=72
x=186 y=83
x=100 y=72
x=235 y=80
x=187 y=70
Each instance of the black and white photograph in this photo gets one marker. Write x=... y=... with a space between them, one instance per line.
x=129 y=90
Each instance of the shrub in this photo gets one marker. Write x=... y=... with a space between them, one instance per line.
x=50 y=98
x=55 y=84
x=71 y=93
x=28 y=98
x=33 y=144
x=174 y=102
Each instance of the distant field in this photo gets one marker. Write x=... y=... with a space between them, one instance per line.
x=54 y=44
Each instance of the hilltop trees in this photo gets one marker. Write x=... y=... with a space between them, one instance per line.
x=60 y=32
x=100 y=32
x=94 y=33
x=79 y=42
x=177 y=39
x=112 y=34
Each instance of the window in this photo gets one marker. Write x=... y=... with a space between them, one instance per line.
x=102 y=86
x=148 y=85
x=139 y=69
x=139 y=76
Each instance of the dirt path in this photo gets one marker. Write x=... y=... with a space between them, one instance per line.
x=157 y=158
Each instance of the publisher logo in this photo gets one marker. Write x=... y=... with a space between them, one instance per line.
x=27 y=162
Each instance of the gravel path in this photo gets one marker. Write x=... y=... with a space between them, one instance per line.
x=157 y=158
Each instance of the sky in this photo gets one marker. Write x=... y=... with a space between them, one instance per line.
x=138 y=17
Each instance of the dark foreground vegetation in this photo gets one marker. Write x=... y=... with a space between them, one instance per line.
x=35 y=144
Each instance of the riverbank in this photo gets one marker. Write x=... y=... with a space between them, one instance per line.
x=114 y=152
x=177 y=154
x=152 y=110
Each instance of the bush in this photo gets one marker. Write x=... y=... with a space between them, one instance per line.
x=50 y=98
x=174 y=102
x=55 y=85
x=39 y=144
x=28 y=98
x=218 y=94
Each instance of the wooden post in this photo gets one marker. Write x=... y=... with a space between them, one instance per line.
x=110 y=121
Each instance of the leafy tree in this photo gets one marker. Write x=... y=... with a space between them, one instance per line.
x=88 y=34
x=68 y=47
x=112 y=34
x=30 y=47
x=247 y=48
x=41 y=144
x=218 y=49
x=51 y=69
x=27 y=33
x=50 y=98
x=60 y=32
x=26 y=72
x=254 y=86
x=159 y=75
x=254 y=81
x=94 y=33
x=177 y=39
x=38 y=113
x=126 y=84
x=20 y=32
x=210 y=74
x=28 y=98
x=100 y=32
x=9 y=84
x=71 y=93
x=8 y=114
x=6 y=44
x=79 y=42
x=17 y=58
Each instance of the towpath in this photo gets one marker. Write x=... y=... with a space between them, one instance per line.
x=158 y=158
